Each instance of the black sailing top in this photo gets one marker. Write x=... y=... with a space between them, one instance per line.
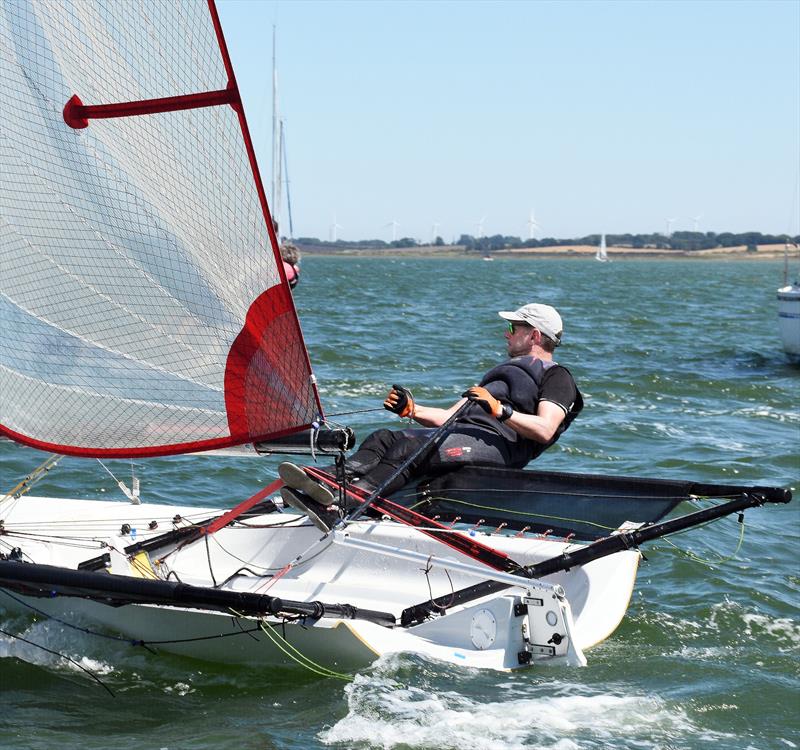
x=523 y=382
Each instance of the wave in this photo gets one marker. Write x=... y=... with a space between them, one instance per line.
x=384 y=713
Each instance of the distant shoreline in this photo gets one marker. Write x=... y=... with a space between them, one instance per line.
x=764 y=252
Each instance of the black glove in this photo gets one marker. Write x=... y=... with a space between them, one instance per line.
x=400 y=401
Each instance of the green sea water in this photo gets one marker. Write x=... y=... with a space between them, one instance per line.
x=683 y=374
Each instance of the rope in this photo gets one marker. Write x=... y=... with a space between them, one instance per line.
x=123 y=639
x=595 y=496
x=62 y=656
x=143 y=570
x=358 y=411
x=517 y=512
x=64 y=541
x=261 y=567
x=721 y=560
x=298 y=657
x=208 y=557
x=79 y=628
x=270 y=582
x=441 y=607
x=129 y=493
x=294 y=654
x=104 y=523
x=16 y=492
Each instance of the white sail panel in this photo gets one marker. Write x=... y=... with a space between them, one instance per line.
x=141 y=302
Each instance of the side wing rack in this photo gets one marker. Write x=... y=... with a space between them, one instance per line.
x=751 y=497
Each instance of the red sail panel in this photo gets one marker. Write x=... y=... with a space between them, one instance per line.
x=143 y=304
x=260 y=388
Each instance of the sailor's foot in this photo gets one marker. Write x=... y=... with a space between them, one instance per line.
x=293 y=476
x=323 y=518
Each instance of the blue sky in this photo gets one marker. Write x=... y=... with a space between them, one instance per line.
x=599 y=116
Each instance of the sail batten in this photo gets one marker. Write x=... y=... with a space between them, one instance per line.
x=114 y=326
x=142 y=300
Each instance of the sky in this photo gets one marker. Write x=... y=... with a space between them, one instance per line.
x=469 y=117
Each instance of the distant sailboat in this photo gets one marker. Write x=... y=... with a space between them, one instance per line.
x=601 y=253
x=789 y=311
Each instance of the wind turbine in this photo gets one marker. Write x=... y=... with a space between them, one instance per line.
x=670 y=222
x=393 y=224
x=334 y=228
x=533 y=225
x=480 y=227
x=696 y=221
x=435 y=231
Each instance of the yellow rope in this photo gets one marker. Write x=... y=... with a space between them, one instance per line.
x=298 y=657
x=712 y=563
x=16 y=492
x=516 y=512
x=294 y=654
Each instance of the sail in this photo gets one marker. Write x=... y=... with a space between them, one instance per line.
x=602 y=253
x=143 y=307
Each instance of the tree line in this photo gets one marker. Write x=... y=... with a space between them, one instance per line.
x=683 y=241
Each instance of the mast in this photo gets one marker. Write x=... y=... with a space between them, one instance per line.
x=278 y=198
x=275 y=127
x=786 y=262
x=279 y=181
x=286 y=178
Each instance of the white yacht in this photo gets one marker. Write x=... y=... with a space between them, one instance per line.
x=789 y=312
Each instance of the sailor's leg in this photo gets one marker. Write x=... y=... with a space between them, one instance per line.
x=377 y=458
x=464 y=445
x=372 y=451
x=469 y=445
x=396 y=447
x=367 y=455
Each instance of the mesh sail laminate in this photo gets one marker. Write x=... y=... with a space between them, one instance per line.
x=142 y=309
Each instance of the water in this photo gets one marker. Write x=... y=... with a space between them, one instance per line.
x=681 y=366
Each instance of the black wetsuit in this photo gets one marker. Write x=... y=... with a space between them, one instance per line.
x=477 y=437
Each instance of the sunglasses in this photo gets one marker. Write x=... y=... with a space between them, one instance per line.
x=513 y=326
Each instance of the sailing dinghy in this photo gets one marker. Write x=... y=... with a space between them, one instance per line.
x=145 y=313
x=602 y=251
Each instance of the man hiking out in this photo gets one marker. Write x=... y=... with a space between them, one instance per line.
x=520 y=408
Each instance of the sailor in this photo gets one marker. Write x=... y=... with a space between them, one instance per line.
x=519 y=409
x=290 y=256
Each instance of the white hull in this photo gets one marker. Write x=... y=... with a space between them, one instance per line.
x=244 y=558
x=789 y=318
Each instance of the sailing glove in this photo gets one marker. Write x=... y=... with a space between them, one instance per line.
x=400 y=401
x=488 y=403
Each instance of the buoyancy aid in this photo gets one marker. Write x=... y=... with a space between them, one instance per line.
x=292 y=274
x=518 y=382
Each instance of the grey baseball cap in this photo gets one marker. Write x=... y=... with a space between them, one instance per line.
x=543 y=317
